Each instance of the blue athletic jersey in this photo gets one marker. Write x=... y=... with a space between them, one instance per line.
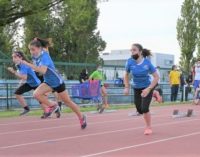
x=140 y=72
x=51 y=77
x=32 y=79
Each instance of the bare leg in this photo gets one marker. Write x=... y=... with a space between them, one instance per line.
x=67 y=100
x=40 y=92
x=21 y=100
x=104 y=96
x=147 y=118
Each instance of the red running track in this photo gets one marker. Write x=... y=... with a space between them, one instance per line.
x=108 y=135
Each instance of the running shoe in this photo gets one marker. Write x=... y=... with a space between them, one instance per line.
x=45 y=115
x=102 y=109
x=148 y=131
x=83 y=122
x=53 y=109
x=24 y=112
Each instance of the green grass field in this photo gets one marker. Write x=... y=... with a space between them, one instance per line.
x=38 y=112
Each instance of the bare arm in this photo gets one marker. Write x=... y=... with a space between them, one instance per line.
x=155 y=80
x=126 y=80
x=146 y=91
x=20 y=76
x=40 y=69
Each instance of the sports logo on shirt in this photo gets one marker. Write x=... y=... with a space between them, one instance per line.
x=146 y=67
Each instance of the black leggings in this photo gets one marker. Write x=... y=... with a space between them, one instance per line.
x=142 y=103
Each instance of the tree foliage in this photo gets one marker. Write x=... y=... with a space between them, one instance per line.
x=198 y=28
x=10 y=11
x=187 y=33
x=72 y=26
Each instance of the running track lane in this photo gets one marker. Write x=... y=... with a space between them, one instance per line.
x=98 y=139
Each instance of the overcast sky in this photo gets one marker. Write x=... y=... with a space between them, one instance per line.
x=149 y=22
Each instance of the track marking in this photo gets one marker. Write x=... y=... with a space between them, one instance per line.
x=50 y=120
x=142 y=144
x=67 y=126
x=62 y=126
x=93 y=134
x=157 y=109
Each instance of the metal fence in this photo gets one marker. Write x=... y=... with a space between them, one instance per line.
x=115 y=94
x=69 y=71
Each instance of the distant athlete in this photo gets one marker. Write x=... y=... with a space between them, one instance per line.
x=196 y=81
x=98 y=75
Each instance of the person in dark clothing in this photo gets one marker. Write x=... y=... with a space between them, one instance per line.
x=83 y=76
x=182 y=83
x=189 y=82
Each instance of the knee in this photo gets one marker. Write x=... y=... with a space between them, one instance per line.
x=36 y=94
x=105 y=94
x=17 y=95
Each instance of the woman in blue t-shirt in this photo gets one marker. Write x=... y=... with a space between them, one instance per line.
x=140 y=67
x=28 y=78
x=52 y=79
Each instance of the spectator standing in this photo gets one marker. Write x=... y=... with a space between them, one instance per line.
x=83 y=76
x=174 y=80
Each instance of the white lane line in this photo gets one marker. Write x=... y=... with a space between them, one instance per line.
x=62 y=126
x=98 y=115
x=68 y=126
x=92 y=134
x=56 y=119
x=142 y=144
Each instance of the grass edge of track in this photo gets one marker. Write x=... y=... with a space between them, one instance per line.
x=38 y=112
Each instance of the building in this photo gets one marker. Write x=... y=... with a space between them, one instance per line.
x=119 y=58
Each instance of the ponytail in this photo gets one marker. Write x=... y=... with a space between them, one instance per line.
x=145 y=52
x=45 y=43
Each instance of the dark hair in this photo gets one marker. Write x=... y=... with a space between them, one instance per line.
x=145 y=52
x=21 y=55
x=173 y=66
x=35 y=43
x=39 y=42
x=84 y=71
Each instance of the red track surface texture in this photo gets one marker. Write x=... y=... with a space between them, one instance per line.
x=108 y=135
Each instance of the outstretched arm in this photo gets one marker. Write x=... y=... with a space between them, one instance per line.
x=40 y=69
x=18 y=75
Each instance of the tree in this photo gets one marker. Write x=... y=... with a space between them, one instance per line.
x=198 y=28
x=6 y=42
x=187 y=33
x=72 y=26
x=10 y=11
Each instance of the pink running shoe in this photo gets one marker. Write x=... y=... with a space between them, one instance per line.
x=83 y=122
x=148 y=131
